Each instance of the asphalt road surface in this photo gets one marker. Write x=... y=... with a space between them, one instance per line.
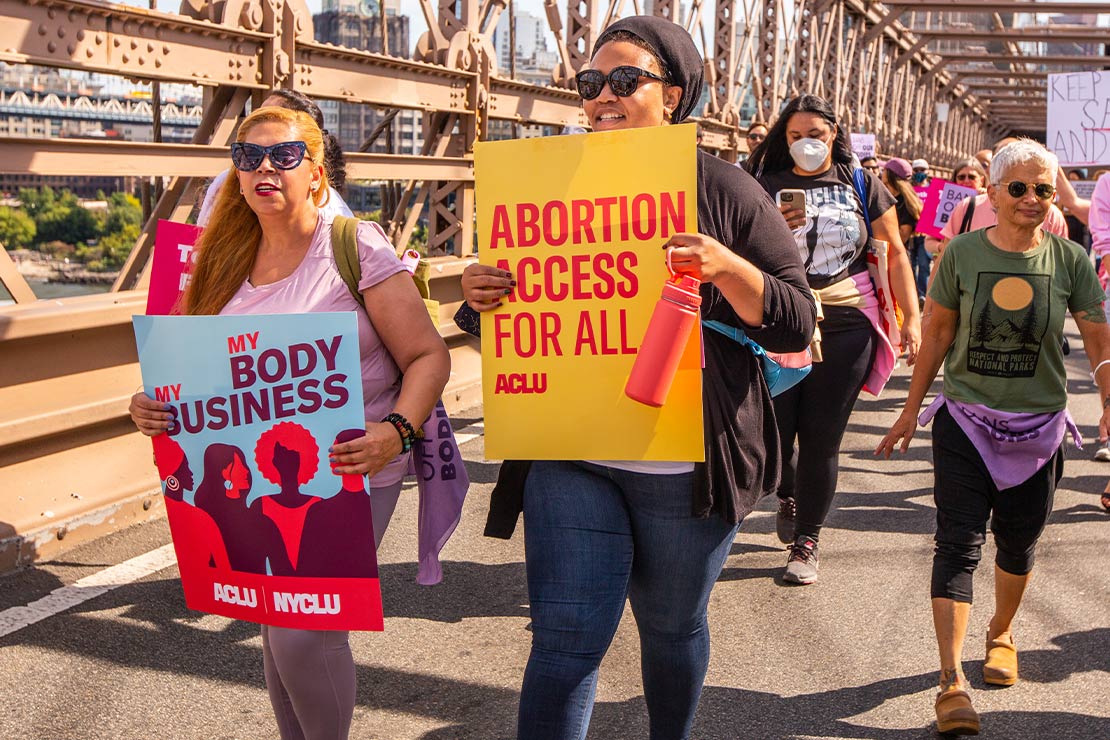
x=850 y=657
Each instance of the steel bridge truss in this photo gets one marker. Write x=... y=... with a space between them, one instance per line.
x=878 y=72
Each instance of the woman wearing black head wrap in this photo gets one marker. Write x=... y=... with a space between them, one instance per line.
x=658 y=533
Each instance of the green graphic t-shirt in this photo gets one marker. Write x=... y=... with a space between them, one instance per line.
x=1007 y=352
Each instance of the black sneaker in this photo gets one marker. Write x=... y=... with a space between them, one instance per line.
x=801 y=566
x=784 y=520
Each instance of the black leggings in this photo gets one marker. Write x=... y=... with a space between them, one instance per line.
x=966 y=497
x=816 y=411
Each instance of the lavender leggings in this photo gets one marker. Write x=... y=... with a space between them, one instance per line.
x=310 y=674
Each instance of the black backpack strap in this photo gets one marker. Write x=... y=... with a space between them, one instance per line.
x=965 y=225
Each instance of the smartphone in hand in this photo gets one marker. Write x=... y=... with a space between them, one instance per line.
x=792 y=198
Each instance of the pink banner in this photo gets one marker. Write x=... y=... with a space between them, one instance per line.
x=173 y=253
x=939 y=202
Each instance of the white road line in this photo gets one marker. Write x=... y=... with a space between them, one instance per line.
x=470 y=432
x=89 y=587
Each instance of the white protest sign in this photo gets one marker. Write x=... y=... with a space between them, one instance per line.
x=951 y=195
x=863 y=145
x=1079 y=118
x=1084 y=188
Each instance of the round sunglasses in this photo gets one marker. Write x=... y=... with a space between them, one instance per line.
x=622 y=80
x=1017 y=189
x=287 y=155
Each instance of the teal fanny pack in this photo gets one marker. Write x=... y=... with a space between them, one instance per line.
x=779 y=376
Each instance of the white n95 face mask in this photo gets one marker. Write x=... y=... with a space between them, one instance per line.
x=809 y=154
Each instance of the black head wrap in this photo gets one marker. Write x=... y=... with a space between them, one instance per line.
x=673 y=45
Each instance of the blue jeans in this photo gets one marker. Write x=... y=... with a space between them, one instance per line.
x=921 y=262
x=593 y=537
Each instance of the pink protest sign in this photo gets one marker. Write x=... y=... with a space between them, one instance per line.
x=173 y=253
x=939 y=202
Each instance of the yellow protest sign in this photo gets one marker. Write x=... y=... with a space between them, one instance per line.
x=580 y=222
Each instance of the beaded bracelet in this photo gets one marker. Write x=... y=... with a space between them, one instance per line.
x=404 y=429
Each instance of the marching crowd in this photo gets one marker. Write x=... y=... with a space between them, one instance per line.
x=782 y=253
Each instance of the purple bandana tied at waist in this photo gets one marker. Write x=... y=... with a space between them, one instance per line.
x=1013 y=446
x=442 y=482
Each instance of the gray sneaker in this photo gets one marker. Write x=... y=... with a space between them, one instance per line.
x=1102 y=454
x=801 y=566
x=784 y=520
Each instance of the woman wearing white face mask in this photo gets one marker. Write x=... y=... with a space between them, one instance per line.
x=808 y=150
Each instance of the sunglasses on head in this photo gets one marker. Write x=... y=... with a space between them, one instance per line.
x=1042 y=190
x=287 y=155
x=622 y=80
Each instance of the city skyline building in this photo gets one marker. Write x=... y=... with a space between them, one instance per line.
x=532 y=53
x=349 y=23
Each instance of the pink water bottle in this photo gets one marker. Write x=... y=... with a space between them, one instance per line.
x=673 y=319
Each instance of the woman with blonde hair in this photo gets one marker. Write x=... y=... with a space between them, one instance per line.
x=335 y=165
x=267 y=250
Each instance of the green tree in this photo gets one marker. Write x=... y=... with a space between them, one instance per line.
x=36 y=201
x=124 y=210
x=69 y=223
x=17 y=229
x=115 y=247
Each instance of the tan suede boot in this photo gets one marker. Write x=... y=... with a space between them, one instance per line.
x=1001 y=665
x=955 y=714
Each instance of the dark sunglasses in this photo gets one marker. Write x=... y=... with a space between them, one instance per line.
x=968 y=176
x=622 y=80
x=1042 y=190
x=756 y=137
x=287 y=155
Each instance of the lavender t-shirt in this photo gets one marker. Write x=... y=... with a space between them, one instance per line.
x=316 y=285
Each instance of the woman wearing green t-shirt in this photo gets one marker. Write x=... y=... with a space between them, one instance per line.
x=999 y=298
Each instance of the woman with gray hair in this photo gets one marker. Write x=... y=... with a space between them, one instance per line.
x=999 y=299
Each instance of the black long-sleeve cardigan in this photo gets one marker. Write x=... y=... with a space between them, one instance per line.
x=741 y=438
